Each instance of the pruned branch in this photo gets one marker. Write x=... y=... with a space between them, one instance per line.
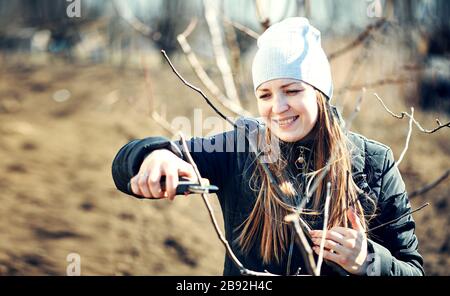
x=408 y=137
x=219 y=233
x=324 y=229
x=359 y=40
x=430 y=186
x=201 y=73
x=398 y=218
x=403 y=114
x=263 y=20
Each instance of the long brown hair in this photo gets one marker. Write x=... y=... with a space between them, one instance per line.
x=266 y=220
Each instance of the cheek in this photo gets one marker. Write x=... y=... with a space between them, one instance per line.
x=264 y=108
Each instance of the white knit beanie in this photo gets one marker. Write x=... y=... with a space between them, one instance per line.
x=292 y=49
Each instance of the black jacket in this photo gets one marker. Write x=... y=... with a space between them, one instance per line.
x=393 y=249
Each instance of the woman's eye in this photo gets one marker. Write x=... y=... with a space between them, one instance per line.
x=264 y=96
x=293 y=91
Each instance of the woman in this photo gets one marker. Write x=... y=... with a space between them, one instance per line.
x=293 y=86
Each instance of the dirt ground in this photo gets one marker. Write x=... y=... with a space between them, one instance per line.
x=57 y=196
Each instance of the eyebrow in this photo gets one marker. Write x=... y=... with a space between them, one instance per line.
x=283 y=86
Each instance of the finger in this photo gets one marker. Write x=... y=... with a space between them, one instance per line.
x=354 y=220
x=346 y=232
x=171 y=181
x=153 y=182
x=335 y=236
x=332 y=245
x=134 y=186
x=142 y=184
x=187 y=170
x=329 y=255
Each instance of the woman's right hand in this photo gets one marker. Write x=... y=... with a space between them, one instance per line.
x=160 y=163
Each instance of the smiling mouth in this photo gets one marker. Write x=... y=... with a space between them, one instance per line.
x=285 y=122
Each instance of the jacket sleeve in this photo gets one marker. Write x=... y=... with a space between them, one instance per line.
x=213 y=156
x=393 y=251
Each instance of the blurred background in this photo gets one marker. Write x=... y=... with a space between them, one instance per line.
x=79 y=79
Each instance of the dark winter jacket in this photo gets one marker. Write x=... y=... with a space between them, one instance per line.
x=393 y=249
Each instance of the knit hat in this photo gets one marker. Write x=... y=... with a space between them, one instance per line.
x=292 y=49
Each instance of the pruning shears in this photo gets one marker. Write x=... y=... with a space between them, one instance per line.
x=186 y=186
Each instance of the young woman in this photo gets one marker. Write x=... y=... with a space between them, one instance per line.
x=293 y=86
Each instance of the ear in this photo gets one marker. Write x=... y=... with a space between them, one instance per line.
x=354 y=220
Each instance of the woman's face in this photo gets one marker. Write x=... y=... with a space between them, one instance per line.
x=289 y=108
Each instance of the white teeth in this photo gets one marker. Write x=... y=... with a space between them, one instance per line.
x=286 y=121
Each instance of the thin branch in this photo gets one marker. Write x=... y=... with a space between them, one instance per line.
x=242 y=28
x=201 y=73
x=306 y=251
x=430 y=186
x=219 y=51
x=205 y=198
x=359 y=40
x=403 y=114
x=324 y=229
x=398 y=218
x=408 y=138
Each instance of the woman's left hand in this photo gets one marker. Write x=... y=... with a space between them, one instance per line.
x=345 y=246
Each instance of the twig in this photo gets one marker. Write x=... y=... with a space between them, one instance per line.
x=403 y=114
x=201 y=73
x=324 y=229
x=398 y=218
x=306 y=251
x=430 y=186
x=242 y=28
x=359 y=40
x=205 y=198
x=219 y=51
x=408 y=137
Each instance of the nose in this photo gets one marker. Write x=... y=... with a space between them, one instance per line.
x=280 y=104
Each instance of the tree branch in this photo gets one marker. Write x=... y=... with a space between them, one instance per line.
x=201 y=73
x=430 y=186
x=403 y=114
x=359 y=40
x=408 y=138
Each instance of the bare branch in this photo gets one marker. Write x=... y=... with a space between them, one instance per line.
x=403 y=114
x=201 y=73
x=205 y=198
x=359 y=40
x=242 y=28
x=324 y=229
x=430 y=186
x=408 y=137
x=398 y=218
x=219 y=51
x=306 y=251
